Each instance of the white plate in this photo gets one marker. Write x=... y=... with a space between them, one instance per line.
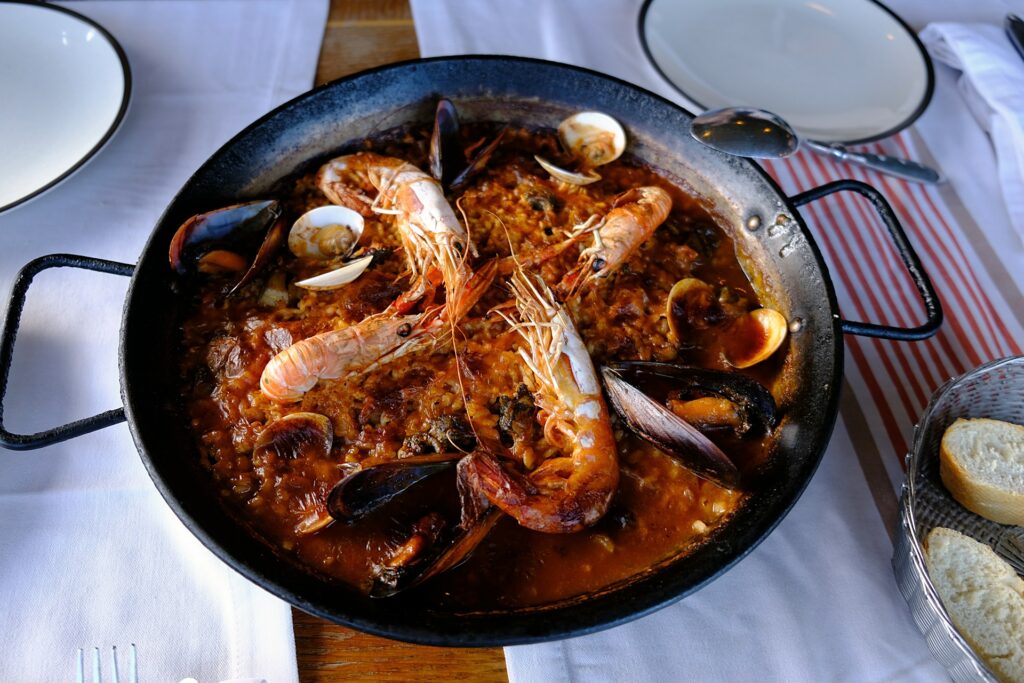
x=65 y=84
x=836 y=70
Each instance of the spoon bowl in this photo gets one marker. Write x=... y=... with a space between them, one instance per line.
x=760 y=134
x=745 y=132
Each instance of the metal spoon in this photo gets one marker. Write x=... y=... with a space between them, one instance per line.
x=760 y=134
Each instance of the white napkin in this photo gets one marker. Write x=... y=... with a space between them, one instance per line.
x=817 y=599
x=90 y=555
x=992 y=84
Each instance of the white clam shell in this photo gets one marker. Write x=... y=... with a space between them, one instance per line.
x=567 y=176
x=325 y=232
x=339 y=276
x=592 y=137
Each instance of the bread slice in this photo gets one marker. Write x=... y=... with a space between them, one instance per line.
x=983 y=596
x=981 y=462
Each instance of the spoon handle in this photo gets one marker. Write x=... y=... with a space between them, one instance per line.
x=901 y=168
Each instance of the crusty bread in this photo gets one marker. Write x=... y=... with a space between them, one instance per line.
x=983 y=596
x=981 y=462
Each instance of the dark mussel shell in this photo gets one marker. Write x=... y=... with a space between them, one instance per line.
x=658 y=425
x=754 y=402
x=271 y=243
x=241 y=230
x=450 y=546
x=479 y=161
x=367 y=487
x=446 y=158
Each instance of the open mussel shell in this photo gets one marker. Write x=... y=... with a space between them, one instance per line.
x=593 y=138
x=326 y=232
x=269 y=247
x=367 y=488
x=454 y=546
x=754 y=403
x=656 y=424
x=446 y=157
x=479 y=161
x=237 y=228
x=754 y=337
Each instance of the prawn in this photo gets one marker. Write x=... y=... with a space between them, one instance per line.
x=637 y=213
x=570 y=491
x=434 y=241
x=368 y=344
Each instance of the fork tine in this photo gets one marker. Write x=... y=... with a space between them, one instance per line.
x=133 y=673
x=81 y=666
x=96 y=665
x=113 y=663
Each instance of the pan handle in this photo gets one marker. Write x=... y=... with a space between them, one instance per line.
x=907 y=254
x=10 y=332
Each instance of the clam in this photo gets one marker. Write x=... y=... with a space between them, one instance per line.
x=296 y=434
x=216 y=242
x=754 y=337
x=691 y=304
x=717 y=399
x=748 y=337
x=333 y=279
x=592 y=139
x=326 y=232
x=559 y=173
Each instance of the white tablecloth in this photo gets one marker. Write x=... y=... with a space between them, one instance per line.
x=90 y=555
x=816 y=601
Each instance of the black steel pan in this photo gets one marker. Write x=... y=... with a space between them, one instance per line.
x=772 y=241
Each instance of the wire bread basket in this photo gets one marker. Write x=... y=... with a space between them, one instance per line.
x=994 y=390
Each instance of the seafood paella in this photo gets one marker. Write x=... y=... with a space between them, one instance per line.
x=502 y=367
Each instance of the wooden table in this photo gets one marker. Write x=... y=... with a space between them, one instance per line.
x=361 y=34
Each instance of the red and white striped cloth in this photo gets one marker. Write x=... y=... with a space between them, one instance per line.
x=892 y=380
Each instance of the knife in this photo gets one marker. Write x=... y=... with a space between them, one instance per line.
x=1015 y=32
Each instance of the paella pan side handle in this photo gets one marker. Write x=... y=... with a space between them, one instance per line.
x=10 y=332
x=932 y=306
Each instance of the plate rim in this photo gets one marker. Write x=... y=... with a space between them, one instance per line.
x=126 y=74
x=926 y=97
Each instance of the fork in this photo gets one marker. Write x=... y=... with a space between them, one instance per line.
x=96 y=678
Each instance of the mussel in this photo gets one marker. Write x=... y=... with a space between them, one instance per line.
x=751 y=410
x=434 y=544
x=218 y=242
x=450 y=164
x=433 y=548
x=592 y=139
x=369 y=485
